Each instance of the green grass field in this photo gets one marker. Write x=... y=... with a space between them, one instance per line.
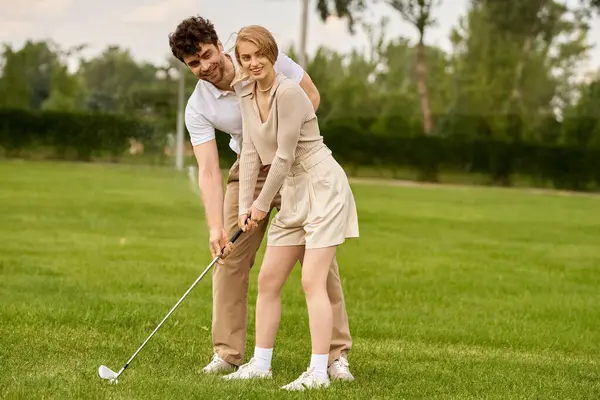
x=452 y=293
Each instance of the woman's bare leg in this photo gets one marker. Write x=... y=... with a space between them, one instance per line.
x=276 y=267
x=315 y=269
x=274 y=271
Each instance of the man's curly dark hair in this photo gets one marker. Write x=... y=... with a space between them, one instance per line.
x=190 y=34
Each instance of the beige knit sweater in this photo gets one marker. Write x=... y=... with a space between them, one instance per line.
x=290 y=130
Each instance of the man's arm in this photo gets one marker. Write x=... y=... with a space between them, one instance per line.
x=311 y=90
x=295 y=72
x=210 y=182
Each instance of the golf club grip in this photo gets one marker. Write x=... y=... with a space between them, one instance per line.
x=236 y=235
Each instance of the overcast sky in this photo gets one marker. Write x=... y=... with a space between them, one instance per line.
x=142 y=26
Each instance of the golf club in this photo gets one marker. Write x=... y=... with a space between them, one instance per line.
x=106 y=373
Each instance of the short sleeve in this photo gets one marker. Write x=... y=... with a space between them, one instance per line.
x=200 y=130
x=288 y=67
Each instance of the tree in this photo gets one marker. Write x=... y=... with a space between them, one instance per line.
x=111 y=78
x=594 y=4
x=67 y=91
x=27 y=73
x=346 y=92
x=418 y=13
x=15 y=89
x=511 y=60
x=582 y=124
x=398 y=85
x=349 y=9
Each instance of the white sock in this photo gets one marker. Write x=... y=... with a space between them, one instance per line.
x=319 y=363
x=263 y=358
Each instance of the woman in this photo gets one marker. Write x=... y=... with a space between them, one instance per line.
x=317 y=212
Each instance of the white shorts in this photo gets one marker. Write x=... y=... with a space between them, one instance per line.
x=317 y=205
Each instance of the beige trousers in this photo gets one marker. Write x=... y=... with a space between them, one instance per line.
x=230 y=284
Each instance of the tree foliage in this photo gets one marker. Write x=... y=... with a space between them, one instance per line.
x=348 y=9
x=508 y=96
x=419 y=14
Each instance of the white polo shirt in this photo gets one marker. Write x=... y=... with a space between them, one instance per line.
x=210 y=108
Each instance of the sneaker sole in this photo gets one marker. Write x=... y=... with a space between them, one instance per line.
x=337 y=378
x=247 y=379
x=219 y=371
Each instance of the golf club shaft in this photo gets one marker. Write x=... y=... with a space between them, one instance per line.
x=233 y=239
x=170 y=312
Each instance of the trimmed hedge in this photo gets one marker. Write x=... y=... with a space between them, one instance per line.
x=461 y=143
x=574 y=166
x=83 y=134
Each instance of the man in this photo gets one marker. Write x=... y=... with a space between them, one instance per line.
x=214 y=104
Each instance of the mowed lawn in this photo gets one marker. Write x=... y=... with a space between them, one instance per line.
x=452 y=293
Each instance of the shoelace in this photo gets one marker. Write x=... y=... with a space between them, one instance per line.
x=245 y=366
x=341 y=362
x=251 y=362
x=215 y=360
x=306 y=380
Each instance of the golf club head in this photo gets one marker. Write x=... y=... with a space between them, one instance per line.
x=106 y=373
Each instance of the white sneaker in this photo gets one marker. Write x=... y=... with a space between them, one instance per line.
x=217 y=365
x=308 y=380
x=340 y=369
x=250 y=371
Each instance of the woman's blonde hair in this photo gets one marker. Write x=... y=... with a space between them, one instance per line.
x=261 y=38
